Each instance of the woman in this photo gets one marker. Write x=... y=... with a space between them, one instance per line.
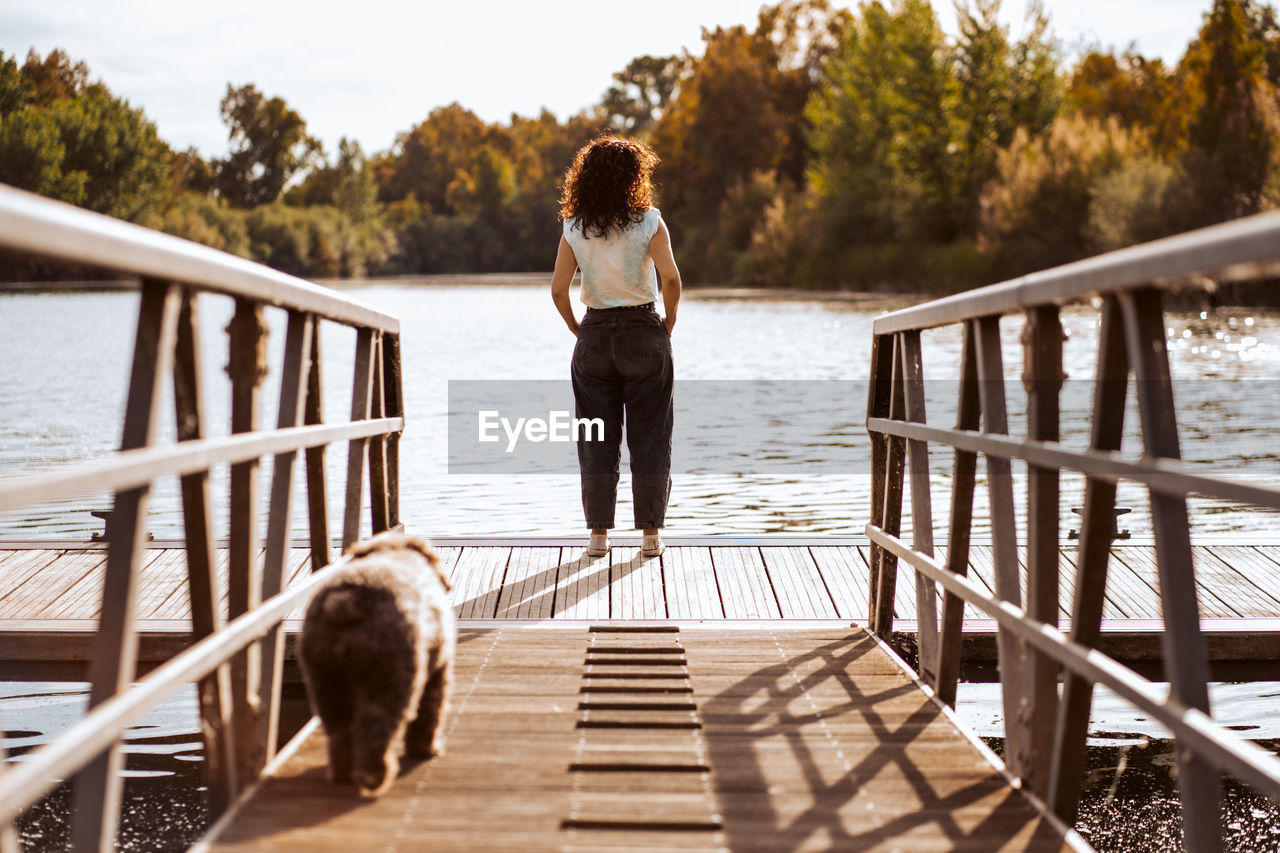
x=622 y=361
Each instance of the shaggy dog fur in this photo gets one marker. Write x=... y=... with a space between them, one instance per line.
x=376 y=653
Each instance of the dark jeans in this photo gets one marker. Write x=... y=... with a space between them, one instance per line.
x=622 y=363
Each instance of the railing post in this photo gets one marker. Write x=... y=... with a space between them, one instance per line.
x=921 y=507
x=293 y=384
x=393 y=391
x=317 y=487
x=1106 y=430
x=379 y=508
x=878 y=400
x=214 y=690
x=1185 y=655
x=357 y=449
x=1004 y=538
x=968 y=417
x=247 y=367
x=1042 y=378
x=8 y=835
x=891 y=511
x=111 y=669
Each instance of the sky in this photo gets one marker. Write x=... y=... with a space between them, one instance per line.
x=372 y=69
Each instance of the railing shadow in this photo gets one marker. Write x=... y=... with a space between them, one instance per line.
x=772 y=763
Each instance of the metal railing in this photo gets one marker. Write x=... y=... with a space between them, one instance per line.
x=236 y=660
x=1045 y=731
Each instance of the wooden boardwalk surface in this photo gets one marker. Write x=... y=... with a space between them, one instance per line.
x=50 y=595
x=769 y=738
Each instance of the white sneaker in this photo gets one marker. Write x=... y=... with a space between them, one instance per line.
x=652 y=546
x=598 y=545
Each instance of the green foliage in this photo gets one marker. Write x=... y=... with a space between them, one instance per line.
x=269 y=145
x=315 y=242
x=16 y=90
x=194 y=216
x=91 y=149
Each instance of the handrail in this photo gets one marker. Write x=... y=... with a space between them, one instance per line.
x=238 y=666
x=1045 y=732
x=132 y=468
x=1244 y=248
x=54 y=229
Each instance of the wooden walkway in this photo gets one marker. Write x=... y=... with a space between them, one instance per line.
x=50 y=593
x=763 y=739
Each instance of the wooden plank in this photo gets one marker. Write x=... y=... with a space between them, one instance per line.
x=1133 y=585
x=636 y=588
x=530 y=586
x=690 y=584
x=42 y=591
x=1142 y=560
x=582 y=586
x=1259 y=566
x=1219 y=575
x=844 y=570
x=20 y=566
x=799 y=586
x=477 y=581
x=1069 y=555
x=744 y=584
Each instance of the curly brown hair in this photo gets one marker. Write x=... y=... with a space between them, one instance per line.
x=608 y=186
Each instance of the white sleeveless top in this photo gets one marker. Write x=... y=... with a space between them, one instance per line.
x=617 y=269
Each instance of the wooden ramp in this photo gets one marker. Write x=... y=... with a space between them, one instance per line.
x=663 y=737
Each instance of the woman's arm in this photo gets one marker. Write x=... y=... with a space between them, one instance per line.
x=660 y=251
x=566 y=266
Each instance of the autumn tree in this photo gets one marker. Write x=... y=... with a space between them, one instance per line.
x=426 y=158
x=1231 y=127
x=269 y=146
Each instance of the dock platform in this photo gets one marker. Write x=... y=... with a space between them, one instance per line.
x=50 y=593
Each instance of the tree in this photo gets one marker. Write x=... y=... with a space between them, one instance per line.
x=355 y=192
x=16 y=90
x=426 y=159
x=1130 y=88
x=1231 y=123
x=1002 y=86
x=56 y=77
x=882 y=129
x=269 y=145
x=640 y=92
x=93 y=150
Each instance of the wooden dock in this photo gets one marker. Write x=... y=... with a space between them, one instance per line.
x=50 y=593
x=775 y=738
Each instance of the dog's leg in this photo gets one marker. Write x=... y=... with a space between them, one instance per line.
x=423 y=738
x=380 y=729
x=335 y=707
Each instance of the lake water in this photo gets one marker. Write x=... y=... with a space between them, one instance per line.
x=771 y=397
